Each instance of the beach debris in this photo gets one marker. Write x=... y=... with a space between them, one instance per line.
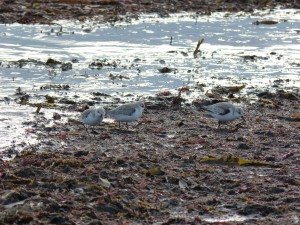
x=154 y=171
x=234 y=160
x=197 y=49
x=265 y=22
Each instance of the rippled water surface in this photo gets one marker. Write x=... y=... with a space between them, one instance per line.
x=133 y=52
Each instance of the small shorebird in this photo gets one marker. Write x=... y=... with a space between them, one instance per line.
x=224 y=112
x=92 y=117
x=127 y=112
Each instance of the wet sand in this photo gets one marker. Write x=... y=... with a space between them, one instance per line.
x=171 y=166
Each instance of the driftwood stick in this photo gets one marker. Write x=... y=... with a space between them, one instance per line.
x=198 y=46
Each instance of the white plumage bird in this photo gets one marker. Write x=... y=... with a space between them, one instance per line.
x=127 y=112
x=224 y=112
x=93 y=116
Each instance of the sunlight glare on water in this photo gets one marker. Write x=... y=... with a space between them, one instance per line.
x=139 y=49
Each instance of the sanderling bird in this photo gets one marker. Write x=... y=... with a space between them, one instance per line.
x=93 y=116
x=127 y=112
x=224 y=111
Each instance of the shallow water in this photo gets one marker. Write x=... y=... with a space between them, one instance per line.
x=134 y=51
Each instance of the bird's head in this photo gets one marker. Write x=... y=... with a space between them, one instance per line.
x=240 y=111
x=100 y=111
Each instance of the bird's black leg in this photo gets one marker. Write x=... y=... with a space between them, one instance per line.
x=127 y=125
x=239 y=125
x=219 y=124
x=119 y=124
x=87 y=131
x=94 y=133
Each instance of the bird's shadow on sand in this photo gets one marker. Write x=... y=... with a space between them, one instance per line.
x=122 y=130
x=229 y=128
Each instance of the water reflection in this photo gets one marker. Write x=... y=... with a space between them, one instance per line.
x=139 y=49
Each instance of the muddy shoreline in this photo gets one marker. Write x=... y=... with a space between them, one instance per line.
x=173 y=166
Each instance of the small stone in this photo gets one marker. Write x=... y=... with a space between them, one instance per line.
x=56 y=116
x=66 y=66
x=240 y=138
x=165 y=70
x=262 y=210
x=270 y=158
x=275 y=190
x=242 y=146
x=231 y=192
x=48 y=129
x=67 y=101
x=180 y=124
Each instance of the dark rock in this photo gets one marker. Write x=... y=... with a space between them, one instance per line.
x=240 y=138
x=81 y=153
x=270 y=158
x=12 y=196
x=67 y=101
x=48 y=129
x=289 y=119
x=109 y=208
x=231 y=206
x=249 y=57
x=258 y=209
x=66 y=66
x=213 y=202
x=287 y=95
x=266 y=133
x=60 y=220
x=95 y=222
x=29 y=172
x=201 y=189
x=291 y=200
x=231 y=192
x=165 y=70
x=174 y=202
x=69 y=184
x=121 y=162
x=265 y=22
x=56 y=116
x=55 y=86
x=52 y=62
x=275 y=190
x=50 y=143
x=179 y=124
x=50 y=99
x=265 y=94
x=242 y=146
x=100 y=94
x=75 y=60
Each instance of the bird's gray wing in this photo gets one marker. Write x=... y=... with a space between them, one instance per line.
x=222 y=112
x=128 y=110
x=85 y=114
x=217 y=110
x=124 y=109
